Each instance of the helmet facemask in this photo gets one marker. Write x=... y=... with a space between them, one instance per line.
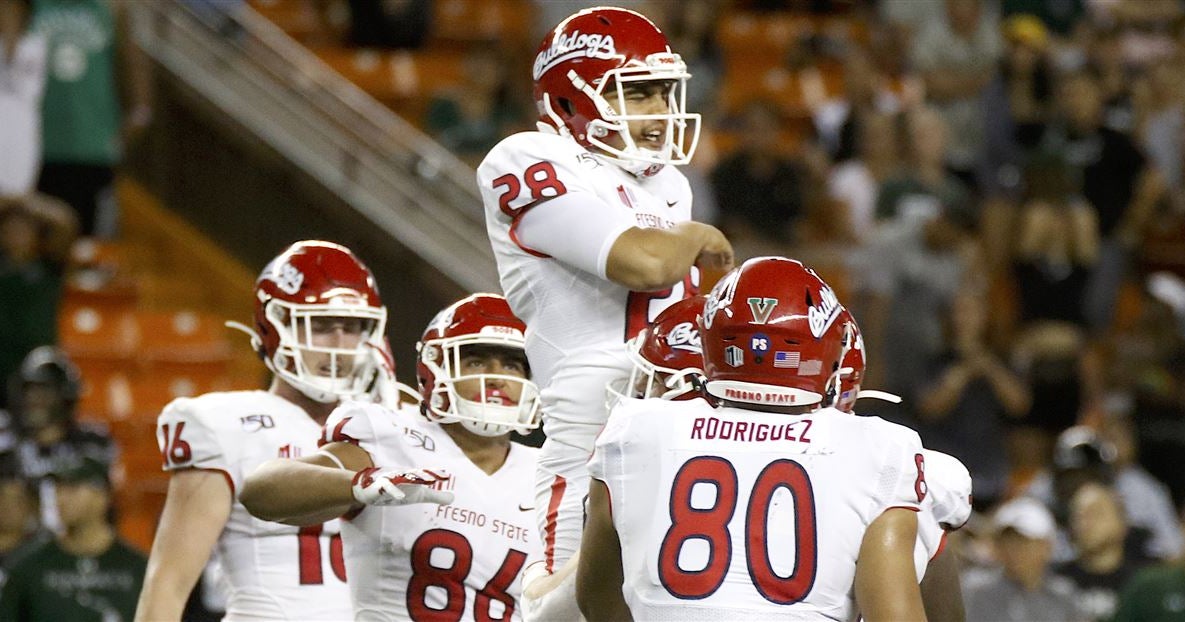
x=678 y=147
x=325 y=373
x=648 y=380
x=495 y=412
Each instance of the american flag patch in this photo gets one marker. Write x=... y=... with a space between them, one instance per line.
x=786 y=360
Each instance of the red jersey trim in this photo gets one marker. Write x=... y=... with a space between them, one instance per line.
x=514 y=235
x=558 y=486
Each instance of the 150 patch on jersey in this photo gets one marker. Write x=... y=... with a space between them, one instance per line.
x=255 y=423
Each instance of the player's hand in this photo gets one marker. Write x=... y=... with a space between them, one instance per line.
x=716 y=251
x=396 y=486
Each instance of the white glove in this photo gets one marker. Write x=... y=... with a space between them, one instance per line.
x=379 y=486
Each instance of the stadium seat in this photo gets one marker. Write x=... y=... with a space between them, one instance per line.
x=91 y=332
x=182 y=337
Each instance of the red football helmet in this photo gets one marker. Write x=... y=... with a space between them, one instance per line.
x=667 y=354
x=773 y=334
x=605 y=48
x=852 y=366
x=479 y=320
x=305 y=286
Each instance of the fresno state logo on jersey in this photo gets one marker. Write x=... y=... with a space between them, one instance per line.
x=568 y=46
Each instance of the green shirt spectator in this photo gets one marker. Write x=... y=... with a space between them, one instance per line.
x=81 y=117
x=84 y=574
x=1154 y=595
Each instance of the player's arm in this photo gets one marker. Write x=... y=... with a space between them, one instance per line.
x=942 y=594
x=581 y=230
x=551 y=596
x=886 y=583
x=653 y=259
x=308 y=490
x=196 y=510
x=599 y=574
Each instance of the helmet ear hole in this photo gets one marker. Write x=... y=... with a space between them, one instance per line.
x=566 y=106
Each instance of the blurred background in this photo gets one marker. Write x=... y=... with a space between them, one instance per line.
x=996 y=188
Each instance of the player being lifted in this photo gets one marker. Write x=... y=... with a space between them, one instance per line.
x=319 y=328
x=590 y=225
x=461 y=561
x=812 y=489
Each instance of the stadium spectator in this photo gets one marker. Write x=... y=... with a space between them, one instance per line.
x=18 y=513
x=759 y=188
x=839 y=121
x=86 y=573
x=1057 y=245
x=1116 y=182
x=474 y=116
x=1105 y=558
x=399 y=24
x=83 y=128
x=920 y=255
x=1016 y=106
x=957 y=58
x=36 y=234
x=319 y=328
x=974 y=396
x=1081 y=457
x=22 y=83
x=1154 y=595
x=589 y=219
x=691 y=28
x=1021 y=589
x=475 y=389
x=752 y=312
x=49 y=438
x=856 y=181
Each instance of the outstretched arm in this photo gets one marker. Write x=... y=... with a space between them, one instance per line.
x=308 y=490
x=599 y=574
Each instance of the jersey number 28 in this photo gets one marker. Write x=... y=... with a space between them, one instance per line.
x=711 y=524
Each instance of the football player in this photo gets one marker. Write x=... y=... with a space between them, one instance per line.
x=772 y=463
x=945 y=509
x=458 y=553
x=591 y=226
x=319 y=326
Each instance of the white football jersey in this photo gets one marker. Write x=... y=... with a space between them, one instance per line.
x=415 y=561
x=728 y=514
x=576 y=319
x=273 y=571
x=946 y=508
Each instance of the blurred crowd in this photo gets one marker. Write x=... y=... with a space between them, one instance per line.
x=997 y=187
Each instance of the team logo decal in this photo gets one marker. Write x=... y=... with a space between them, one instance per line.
x=820 y=317
x=575 y=45
x=734 y=356
x=721 y=297
x=684 y=336
x=288 y=278
x=759 y=344
x=762 y=308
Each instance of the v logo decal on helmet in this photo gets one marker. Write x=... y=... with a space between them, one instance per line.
x=762 y=308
